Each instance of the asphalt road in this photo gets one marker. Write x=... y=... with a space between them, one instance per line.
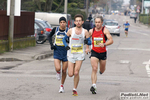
x=127 y=70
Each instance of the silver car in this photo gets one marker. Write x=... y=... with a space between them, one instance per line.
x=113 y=27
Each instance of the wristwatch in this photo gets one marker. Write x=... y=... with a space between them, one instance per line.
x=104 y=44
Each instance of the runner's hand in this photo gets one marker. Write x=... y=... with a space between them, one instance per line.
x=101 y=45
x=67 y=47
x=87 y=51
x=53 y=47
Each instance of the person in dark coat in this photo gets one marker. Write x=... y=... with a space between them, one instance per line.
x=90 y=17
x=135 y=19
x=87 y=25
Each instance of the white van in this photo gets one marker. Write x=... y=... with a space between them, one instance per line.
x=53 y=18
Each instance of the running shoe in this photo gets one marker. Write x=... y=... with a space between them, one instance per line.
x=74 y=93
x=61 y=89
x=93 y=90
x=58 y=76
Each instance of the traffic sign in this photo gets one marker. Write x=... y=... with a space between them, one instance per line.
x=17 y=7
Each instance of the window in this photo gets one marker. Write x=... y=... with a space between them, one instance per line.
x=111 y=23
x=36 y=26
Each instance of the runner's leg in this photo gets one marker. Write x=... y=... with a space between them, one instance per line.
x=64 y=70
x=57 y=64
x=102 y=65
x=94 y=63
x=76 y=72
x=127 y=33
x=70 y=68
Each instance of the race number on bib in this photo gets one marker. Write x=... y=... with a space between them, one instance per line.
x=59 y=39
x=97 y=40
x=77 y=48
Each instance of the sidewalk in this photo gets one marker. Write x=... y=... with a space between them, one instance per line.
x=139 y=24
x=40 y=51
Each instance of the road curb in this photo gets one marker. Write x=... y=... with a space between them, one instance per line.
x=36 y=57
x=43 y=56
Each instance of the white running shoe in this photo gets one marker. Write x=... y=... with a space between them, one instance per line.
x=61 y=89
x=58 y=76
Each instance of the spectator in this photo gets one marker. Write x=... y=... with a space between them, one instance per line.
x=90 y=17
x=87 y=25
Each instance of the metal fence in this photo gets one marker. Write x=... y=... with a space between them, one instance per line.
x=23 y=25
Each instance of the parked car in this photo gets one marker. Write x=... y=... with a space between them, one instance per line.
x=45 y=25
x=39 y=34
x=133 y=15
x=113 y=27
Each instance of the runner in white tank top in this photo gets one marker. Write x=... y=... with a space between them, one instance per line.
x=76 y=49
x=76 y=44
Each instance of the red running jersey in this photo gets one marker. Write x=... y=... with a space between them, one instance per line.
x=98 y=37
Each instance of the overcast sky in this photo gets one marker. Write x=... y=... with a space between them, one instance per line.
x=126 y=1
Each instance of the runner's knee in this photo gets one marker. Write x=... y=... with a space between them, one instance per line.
x=63 y=70
x=76 y=73
x=58 y=69
x=70 y=74
x=94 y=68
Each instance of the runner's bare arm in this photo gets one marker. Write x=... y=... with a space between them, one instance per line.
x=91 y=32
x=109 y=37
x=69 y=32
x=87 y=34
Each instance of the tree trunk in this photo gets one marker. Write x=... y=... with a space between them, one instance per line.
x=59 y=5
x=45 y=8
x=51 y=4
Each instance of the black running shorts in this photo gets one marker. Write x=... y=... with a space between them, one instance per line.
x=100 y=56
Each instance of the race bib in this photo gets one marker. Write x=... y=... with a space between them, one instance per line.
x=59 y=39
x=97 y=40
x=126 y=26
x=77 y=48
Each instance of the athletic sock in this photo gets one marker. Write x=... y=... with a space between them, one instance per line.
x=58 y=72
x=94 y=85
x=61 y=85
x=74 y=89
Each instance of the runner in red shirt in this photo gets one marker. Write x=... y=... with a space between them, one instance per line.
x=99 y=35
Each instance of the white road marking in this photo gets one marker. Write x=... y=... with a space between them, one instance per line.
x=139 y=49
x=124 y=61
x=147 y=67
